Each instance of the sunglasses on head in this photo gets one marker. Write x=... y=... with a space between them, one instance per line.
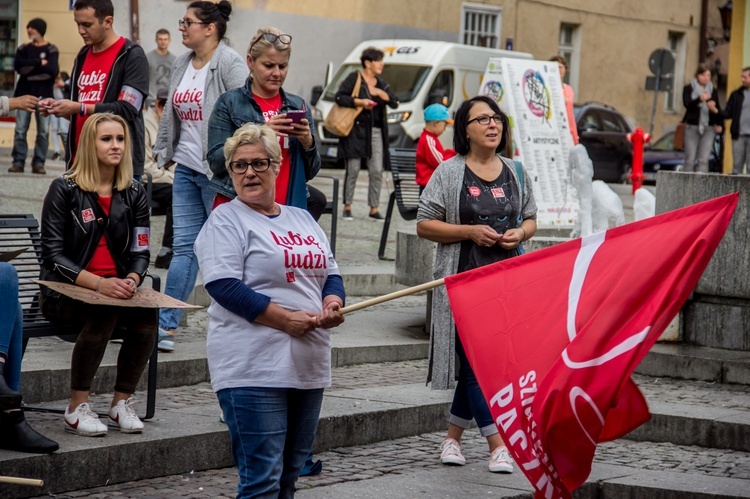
x=271 y=38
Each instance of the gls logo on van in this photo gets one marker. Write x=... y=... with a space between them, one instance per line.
x=400 y=50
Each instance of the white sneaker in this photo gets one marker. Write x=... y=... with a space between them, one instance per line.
x=122 y=417
x=500 y=461
x=83 y=421
x=450 y=453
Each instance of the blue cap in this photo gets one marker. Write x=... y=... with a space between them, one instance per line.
x=437 y=112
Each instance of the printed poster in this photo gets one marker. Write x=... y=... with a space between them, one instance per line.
x=531 y=94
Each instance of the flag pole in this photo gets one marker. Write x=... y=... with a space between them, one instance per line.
x=392 y=296
x=22 y=481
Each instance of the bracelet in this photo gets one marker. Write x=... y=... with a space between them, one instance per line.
x=524 y=234
x=98 y=283
x=130 y=277
x=83 y=110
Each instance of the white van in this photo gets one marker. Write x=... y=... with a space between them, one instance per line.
x=420 y=73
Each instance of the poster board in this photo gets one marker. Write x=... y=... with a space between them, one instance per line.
x=145 y=297
x=531 y=94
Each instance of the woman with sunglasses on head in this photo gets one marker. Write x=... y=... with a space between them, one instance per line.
x=198 y=78
x=479 y=212
x=262 y=100
x=275 y=293
x=369 y=136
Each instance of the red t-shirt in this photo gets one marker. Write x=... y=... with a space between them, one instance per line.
x=92 y=81
x=102 y=263
x=270 y=108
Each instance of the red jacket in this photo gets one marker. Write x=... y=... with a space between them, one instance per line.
x=430 y=154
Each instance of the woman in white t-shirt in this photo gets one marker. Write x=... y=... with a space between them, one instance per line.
x=275 y=289
x=198 y=79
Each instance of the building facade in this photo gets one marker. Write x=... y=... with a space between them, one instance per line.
x=608 y=43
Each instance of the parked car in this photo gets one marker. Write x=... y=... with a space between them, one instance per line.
x=603 y=130
x=662 y=155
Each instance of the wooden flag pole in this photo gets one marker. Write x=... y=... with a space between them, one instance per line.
x=392 y=296
x=22 y=481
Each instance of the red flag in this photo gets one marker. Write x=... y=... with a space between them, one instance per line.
x=554 y=335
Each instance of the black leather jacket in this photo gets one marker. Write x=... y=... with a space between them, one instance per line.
x=73 y=223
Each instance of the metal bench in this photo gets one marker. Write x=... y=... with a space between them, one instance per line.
x=405 y=191
x=22 y=231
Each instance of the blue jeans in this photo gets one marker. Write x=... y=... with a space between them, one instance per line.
x=191 y=205
x=20 y=147
x=11 y=325
x=272 y=432
x=468 y=401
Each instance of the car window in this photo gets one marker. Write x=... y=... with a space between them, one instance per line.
x=441 y=91
x=589 y=120
x=611 y=122
x=664 y=143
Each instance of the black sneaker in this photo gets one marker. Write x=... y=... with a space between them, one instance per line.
x=376 y=216
x=347 y=215
x=16 y=168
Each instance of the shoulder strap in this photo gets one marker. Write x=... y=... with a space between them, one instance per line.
x=355 y=92
x=519 y=174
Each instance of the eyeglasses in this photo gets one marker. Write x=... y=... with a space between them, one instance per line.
x=485 y=120
x=258 y=165
x=271 y=38
x=186 y=23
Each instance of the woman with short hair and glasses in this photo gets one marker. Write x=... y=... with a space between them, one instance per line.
x=479 y=213
x=262 y=100
x=275 y=291
x=198 y=78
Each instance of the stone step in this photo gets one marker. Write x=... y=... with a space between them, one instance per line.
x=389 y=332
x=367 y=403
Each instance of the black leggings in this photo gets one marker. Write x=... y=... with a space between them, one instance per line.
x=97 y=323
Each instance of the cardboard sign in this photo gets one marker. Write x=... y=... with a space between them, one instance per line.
x=145 y=297
x=10 y=255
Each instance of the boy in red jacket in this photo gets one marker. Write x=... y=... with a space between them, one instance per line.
x=430 y=152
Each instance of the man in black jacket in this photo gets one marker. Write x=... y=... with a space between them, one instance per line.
x=738 y=110
x=36 y=64
x=110 y=74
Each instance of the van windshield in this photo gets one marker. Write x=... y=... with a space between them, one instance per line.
x=405 y=80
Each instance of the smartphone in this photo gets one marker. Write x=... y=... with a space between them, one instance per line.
x=296 y=116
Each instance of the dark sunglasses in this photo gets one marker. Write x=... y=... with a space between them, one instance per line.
x=271 y=38
x=258 y=165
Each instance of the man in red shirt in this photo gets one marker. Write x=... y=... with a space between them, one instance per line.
x=110 y=75
x=430 y=152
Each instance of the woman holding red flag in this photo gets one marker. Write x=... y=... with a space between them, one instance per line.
x=479 y=207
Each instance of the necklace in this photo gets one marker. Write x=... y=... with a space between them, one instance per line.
x=268 y=104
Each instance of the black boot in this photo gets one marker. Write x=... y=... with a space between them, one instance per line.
x=9 y=399
x=16 y=434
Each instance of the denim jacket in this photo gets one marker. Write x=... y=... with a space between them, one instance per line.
x=237 y=107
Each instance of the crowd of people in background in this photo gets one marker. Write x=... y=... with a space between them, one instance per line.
x=218 y=142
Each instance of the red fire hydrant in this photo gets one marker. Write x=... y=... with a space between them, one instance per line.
x=639 y=139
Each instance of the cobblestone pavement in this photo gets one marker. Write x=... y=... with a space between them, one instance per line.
x=406 y=455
